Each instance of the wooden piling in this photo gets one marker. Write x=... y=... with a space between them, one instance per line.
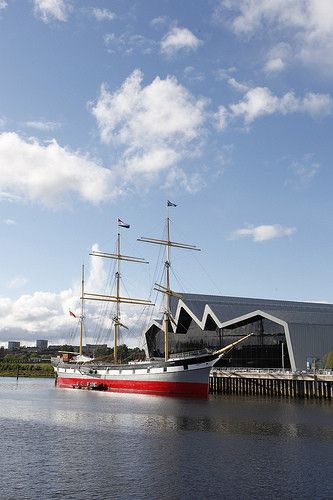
x=268 y=383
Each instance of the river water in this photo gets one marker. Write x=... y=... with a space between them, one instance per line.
x=70 y=444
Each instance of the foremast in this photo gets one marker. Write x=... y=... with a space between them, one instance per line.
x=166 y=290
x=118 y=298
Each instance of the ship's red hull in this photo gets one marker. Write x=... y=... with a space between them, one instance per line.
x=137 y=386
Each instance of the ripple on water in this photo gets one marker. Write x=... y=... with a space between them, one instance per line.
x=69 y=444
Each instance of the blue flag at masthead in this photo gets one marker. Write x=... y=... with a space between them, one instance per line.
x=123 y=224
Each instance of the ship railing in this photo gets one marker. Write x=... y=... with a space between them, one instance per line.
x=189 y=354
x=272 y=370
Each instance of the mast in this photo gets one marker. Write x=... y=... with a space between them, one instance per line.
x=167 y=296
x=82 y=310
x=117 y=298
x=166 y=290
x=116 y=319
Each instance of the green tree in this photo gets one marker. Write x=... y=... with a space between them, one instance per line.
x=328 y=361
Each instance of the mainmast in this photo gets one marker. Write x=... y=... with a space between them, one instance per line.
x=117 y=298
x=82 y=310
x=166 y=290
x=167 y=295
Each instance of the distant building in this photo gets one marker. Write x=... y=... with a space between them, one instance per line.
x=41 y=344
x=13 y=345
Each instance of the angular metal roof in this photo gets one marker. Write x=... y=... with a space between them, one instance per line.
x=226 y=308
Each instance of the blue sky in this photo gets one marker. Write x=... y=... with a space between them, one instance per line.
x=109 y=108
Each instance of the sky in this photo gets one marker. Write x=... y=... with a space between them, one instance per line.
x=110 y=108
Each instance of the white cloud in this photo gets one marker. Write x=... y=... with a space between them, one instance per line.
x=9 y=222
x=179 y=39
x=154 y=126
x=278 y=57
x=221 y=118
x=150 y=128
x=9 y=197
x=159 y=21
x=250 y=15
x=162 y=112
x=38 y=312
x=256 y=102
x=45 y=314
x=3 y=4
x=260 y=101
x=239 y=87
x=303 y=171
x=48 y=10
x=193 y=75
x=274 y=65
x=192 y=183
x=17 y=282
x=316 y=104
x=97 y=274
x=152 y=161
x=223 y=159
x=307 y=23
x=127 y=43
x=103 y=14
x=46 y=173
x=264 y=232
x=42 y=125
x=224 y=73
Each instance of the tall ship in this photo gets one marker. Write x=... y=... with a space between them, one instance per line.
x=180 y=374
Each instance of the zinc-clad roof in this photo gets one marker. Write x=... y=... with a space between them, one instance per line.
x=227 y=308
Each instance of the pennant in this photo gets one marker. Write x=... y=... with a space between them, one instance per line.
x=170 y=204
x=72 y=314
x=123 y=224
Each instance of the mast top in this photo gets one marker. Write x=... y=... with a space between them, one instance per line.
x=166 y=289
x=118 y=256
x=117 y=297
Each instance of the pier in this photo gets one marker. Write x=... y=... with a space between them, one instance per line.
x=272 y=383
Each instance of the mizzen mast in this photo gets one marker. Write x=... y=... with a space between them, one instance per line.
x=118 y=298
x=166 y=290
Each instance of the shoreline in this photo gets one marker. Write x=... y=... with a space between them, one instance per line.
x=32 y=375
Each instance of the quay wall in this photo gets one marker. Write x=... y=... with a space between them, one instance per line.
x=270 y=383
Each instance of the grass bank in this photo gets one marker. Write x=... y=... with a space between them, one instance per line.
x=26 y=370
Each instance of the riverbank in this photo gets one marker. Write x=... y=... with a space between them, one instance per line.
x=44 y=370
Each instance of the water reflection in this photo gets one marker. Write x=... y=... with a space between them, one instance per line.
x=74 y=444
x=35 y=401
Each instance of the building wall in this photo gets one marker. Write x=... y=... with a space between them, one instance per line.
x=13 y=345
x=304 y=330
x=42 y=344
x=310 y=341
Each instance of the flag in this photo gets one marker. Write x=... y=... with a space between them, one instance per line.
x=72 y=314
x=123 y=224
x=170 y=204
